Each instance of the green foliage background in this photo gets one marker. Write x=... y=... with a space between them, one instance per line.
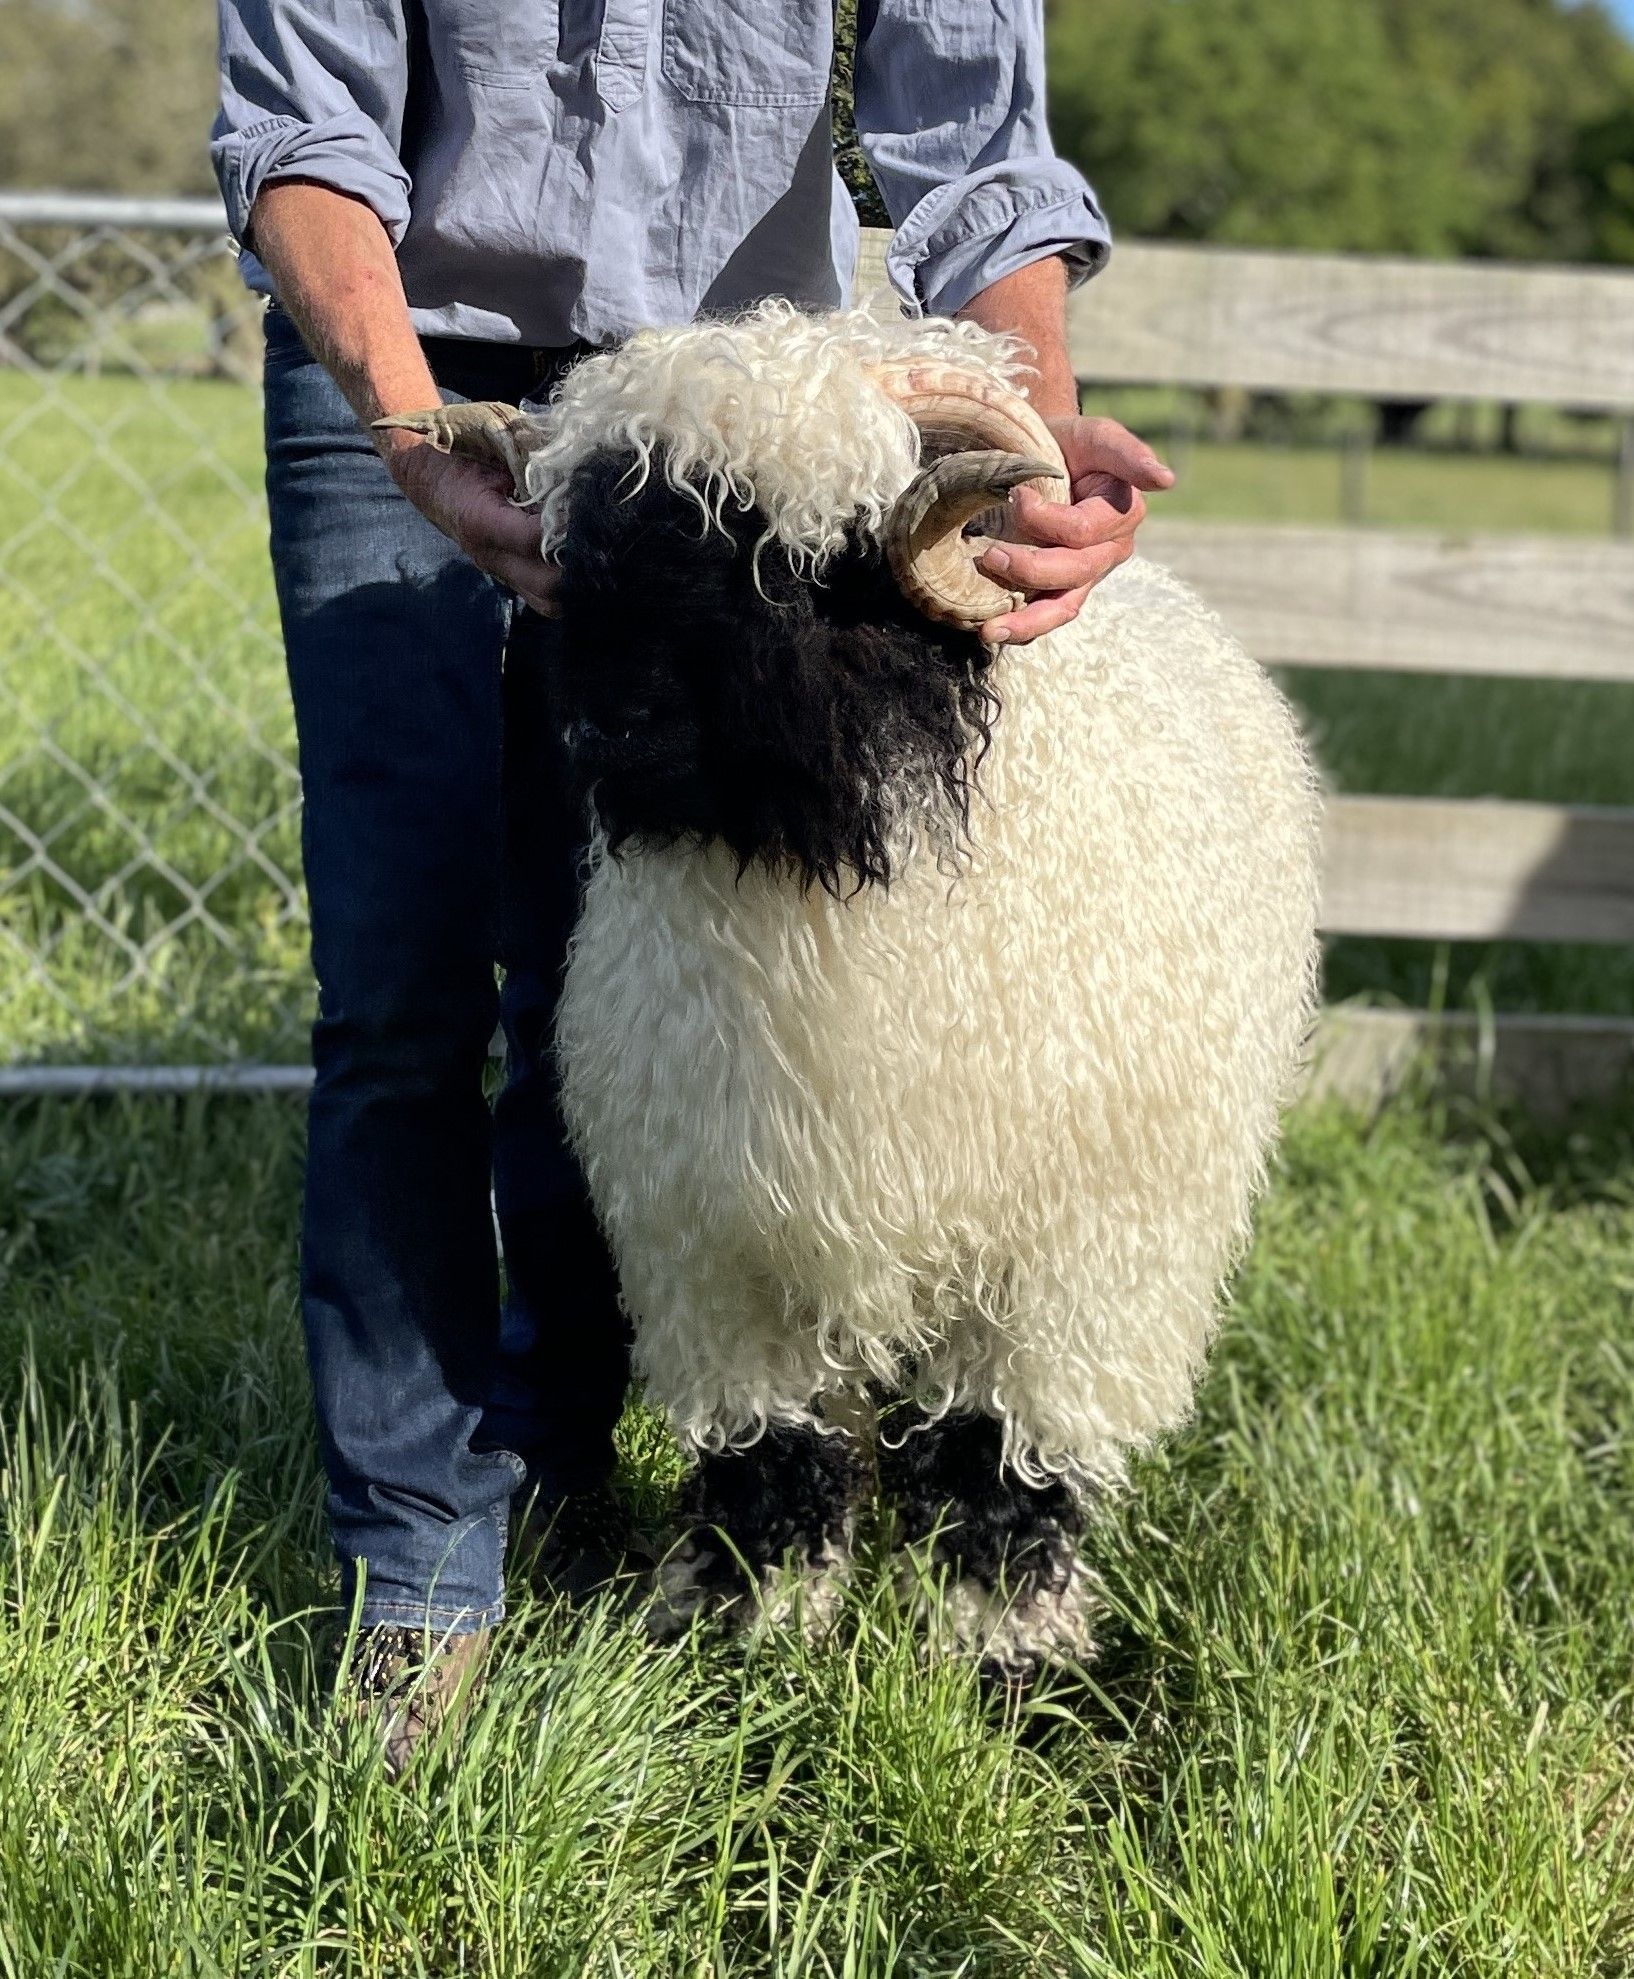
x=106 y=95
x=1494 y=127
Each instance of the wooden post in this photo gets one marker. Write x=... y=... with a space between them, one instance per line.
x=1353 y=477
x=1182 y=445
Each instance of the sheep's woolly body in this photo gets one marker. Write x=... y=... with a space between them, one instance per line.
x=771 y=411
x=991 y=1134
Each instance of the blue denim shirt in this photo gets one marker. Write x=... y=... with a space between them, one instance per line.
x=557 y=170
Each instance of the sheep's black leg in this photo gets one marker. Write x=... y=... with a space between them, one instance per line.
x=1003 y=1555
x=788 y=1500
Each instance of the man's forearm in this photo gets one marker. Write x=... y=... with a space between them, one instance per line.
x=333 y=269
x=1032 y=304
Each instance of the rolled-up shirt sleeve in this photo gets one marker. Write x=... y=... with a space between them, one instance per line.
x=312 y=89
x=950 y=113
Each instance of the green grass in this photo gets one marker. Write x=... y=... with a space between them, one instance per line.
x=144 y=730
x=1364 y=1704
x=1246 y=481
x=145 y=737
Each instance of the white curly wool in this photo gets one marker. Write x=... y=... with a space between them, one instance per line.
x=773 y=410
x=993 y=1133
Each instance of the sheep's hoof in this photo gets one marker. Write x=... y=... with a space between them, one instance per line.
x=1014 y=1628
x=703 y=1579
x=769 y=1536
x=694 y=1579
x=991 y=1564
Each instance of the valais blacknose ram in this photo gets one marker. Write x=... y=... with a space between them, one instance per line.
x=932 y=1004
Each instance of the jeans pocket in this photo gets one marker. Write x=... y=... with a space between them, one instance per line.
x=763 y=56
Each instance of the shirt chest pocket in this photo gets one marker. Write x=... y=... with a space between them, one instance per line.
x=505 y=44
x=767 y=53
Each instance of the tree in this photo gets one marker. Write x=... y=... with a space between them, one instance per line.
x=1383 y=126
x=1266 y=122
x=1413 y=126
x=106 y=95
x=1532 y=79
x=1602 y=165
x=848 y=158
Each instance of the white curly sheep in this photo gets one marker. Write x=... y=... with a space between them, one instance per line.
x=932 y=1007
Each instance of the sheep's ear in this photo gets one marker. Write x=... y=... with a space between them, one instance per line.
x=486 y=430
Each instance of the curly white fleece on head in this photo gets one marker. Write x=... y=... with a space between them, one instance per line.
x=773 y=410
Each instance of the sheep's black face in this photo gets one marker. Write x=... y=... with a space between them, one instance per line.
x=795 y=722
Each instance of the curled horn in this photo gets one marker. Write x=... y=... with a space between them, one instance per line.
x=981 y=440
x=486 y=430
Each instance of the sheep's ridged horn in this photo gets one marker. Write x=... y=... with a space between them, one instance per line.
x=486 y=430
x=990 y=440
x=931 y=557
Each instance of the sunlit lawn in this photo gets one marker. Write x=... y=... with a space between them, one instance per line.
x=145 y=739
x=1364 y=1703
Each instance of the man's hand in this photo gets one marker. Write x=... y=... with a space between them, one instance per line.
x=1061 y=550
x=333 y=268
x=472 y=504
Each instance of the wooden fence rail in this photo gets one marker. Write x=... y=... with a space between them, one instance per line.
x=1384 y=600
x=1442 y=869
x=1358 y=324
x=1558 y=609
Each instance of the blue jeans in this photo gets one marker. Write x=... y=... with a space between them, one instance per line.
x=437 y=844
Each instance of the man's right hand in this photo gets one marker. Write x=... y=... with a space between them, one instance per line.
x=472 y=504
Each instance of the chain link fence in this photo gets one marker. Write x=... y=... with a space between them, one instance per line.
x=151 y=912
